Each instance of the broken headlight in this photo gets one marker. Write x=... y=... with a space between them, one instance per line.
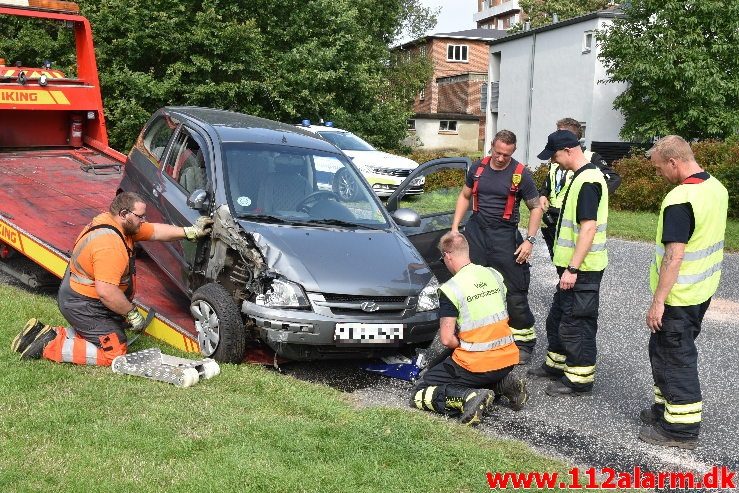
x=283 y=294
x=429 y=297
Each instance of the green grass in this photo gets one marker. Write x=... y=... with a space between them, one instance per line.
x=69 y=428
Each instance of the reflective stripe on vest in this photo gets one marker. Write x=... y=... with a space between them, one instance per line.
x=512 y=191
x=568 y=230
x=555 y=197
x=82 y=276
x=486 y=341
x=700 y=269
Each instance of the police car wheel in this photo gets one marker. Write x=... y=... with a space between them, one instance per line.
x=345 y=186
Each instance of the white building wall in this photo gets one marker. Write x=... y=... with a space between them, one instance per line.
x=464 y=139
x=561 y=82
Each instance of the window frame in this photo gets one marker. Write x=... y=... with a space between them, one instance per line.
x=449 y=123
x=588 y=41
x=464 y=53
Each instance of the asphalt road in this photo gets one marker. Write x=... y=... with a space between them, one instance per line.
x=599 y=430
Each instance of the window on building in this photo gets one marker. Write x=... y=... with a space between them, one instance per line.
x=483 y=97
x=587 y=41
x=456 y=53
x=422 y=94
x=422 y=51
x=411 y=124
x=448 y=126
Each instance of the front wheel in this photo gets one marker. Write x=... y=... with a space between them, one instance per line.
x=220 y=329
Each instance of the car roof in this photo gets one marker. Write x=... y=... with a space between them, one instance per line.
x=230 y=126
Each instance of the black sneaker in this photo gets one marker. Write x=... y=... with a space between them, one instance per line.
x=30 y=332
x=36 y=349
x=475 y=404
x=648 y=417
x=653 y=435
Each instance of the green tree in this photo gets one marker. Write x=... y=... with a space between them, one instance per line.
x=680 y=61
x=540 y=12
x=283 y=60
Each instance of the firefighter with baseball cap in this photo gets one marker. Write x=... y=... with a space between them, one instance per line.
x=98 y=286
x=684 y=275
x=474 y=324
x=580 y=256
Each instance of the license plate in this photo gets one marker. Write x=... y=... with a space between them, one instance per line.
x=350 y=332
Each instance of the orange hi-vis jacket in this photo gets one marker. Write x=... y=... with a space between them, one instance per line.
x=102 y=255
x=485 y=339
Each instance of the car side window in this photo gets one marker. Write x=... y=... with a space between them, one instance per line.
x=157 y=136
x=185 y=165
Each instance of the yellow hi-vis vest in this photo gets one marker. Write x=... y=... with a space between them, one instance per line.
x=555 y=198
x=485 y=339
x=569 y=231
x=700 y=270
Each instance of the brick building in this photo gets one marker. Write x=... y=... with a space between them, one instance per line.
x=450 y=110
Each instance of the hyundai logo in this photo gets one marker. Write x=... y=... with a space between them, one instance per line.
x=369 y=306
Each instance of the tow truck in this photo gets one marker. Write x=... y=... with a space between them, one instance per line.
x=57 y=170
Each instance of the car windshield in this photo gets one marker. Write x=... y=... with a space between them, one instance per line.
x=298 y=185
x=346 y=141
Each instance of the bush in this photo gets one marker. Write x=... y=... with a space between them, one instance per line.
x=642 y=190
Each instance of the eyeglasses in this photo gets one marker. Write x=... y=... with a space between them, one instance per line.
x=441 y=259
x=142 y=217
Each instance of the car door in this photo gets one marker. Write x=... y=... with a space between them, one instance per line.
x=444 y=179
x=144 y=169
x=186 y=169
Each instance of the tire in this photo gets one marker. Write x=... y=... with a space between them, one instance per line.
x=345 y=186
x=220 y=328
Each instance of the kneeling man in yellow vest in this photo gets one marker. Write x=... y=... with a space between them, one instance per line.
x=474 y=324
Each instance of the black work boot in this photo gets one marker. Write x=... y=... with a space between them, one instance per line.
x=30 y=332
x=475 y=405
x=655 y=436
x=648 y=416
x=514 y=389
x=36 y=348
x=524 y=356
x=542 y=372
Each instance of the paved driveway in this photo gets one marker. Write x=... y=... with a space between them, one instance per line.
x=601 y=430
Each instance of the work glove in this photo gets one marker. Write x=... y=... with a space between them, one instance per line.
x=202 y=227
x=136 y=320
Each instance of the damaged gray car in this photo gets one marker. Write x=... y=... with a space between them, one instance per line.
x=291 y=262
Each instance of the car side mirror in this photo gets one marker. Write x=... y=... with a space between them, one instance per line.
x=406 y=217
x=198 y=200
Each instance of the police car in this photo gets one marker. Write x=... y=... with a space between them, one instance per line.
x=383 y=171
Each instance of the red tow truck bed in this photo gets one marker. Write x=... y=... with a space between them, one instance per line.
x=46 y=198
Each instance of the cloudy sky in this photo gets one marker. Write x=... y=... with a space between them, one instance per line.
x=456 y=15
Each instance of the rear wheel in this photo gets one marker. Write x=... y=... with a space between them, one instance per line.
x=345 y=186
x=220 y=329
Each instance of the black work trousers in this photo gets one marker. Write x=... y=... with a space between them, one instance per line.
x=674 y=360
x=449 y=379
x=492 y=245
x=572 y=325
x=549 y=228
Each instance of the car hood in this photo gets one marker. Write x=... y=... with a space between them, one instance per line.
x=333 y=260
x=379 y=159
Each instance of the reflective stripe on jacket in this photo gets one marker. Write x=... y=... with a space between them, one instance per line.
x=486 y=341
x=700 y=270
x=569 y=230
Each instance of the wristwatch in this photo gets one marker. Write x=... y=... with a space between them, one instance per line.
x=531 y=239
x=573 y=270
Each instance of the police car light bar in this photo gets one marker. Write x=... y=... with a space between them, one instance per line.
x=56 y=5
x=305 y=123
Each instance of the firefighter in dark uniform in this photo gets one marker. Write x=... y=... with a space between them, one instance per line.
x=580 y=257
x=474 y=324
x=684 y=275
x=558 y=179
x=496 y=186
